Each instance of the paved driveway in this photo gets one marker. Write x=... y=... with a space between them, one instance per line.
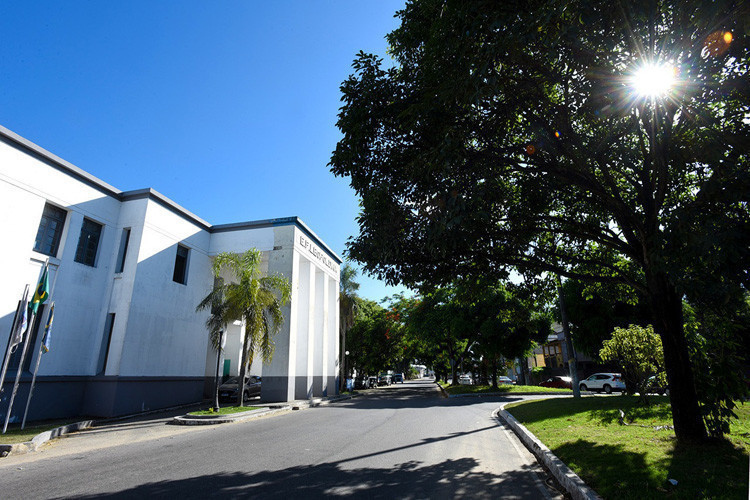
x=402 y=441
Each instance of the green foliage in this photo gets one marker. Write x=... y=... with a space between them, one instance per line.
x=508 y=135
x=375 y=340
x=634 y=462
x=718 y=344
x=595 y=311
x=639 y=351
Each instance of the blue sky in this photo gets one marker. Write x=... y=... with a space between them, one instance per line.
x=228 y=108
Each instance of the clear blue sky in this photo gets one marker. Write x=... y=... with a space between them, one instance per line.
x=228 y=108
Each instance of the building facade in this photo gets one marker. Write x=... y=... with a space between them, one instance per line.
x=127 y=270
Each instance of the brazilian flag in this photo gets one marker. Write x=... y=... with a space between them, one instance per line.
x=42 y=291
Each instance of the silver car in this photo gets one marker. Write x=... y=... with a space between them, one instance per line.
x=606 y=382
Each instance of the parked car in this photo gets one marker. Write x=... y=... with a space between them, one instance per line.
x=228 y=390
x=398 y=377
x=372 y=382
x=361 y=383
x=505 y=380
x=385 y=379
x=606 y=382
x=653 y=385
x=558 y=383
x=465 y=380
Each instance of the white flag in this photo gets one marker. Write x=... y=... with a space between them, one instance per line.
x=21 y=324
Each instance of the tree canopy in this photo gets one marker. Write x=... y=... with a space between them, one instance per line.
x=512 y=135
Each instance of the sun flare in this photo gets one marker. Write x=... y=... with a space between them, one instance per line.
x=654 y=80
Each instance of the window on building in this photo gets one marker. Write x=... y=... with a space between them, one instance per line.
x=109 y=325
x=181 y=265
x=88 y=242
x=50 y=230
x=124 y=240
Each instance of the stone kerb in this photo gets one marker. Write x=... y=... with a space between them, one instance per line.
x=566 y=477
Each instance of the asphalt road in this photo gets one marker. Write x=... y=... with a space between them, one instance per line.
x=403 y=441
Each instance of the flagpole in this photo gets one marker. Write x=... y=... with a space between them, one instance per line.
x=19 y=370
x=8 y=354
x=36 y=368
x=41 y=293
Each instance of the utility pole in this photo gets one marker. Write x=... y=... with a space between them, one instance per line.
x=568 y=342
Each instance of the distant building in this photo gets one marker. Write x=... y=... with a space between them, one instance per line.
x=553 y=354
x=127 y=270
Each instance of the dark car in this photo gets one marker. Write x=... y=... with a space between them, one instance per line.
x=398 y=377
x=655 y=384
x=558 y=383
x=228 y=390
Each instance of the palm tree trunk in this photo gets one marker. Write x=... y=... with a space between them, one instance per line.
x=243 y=369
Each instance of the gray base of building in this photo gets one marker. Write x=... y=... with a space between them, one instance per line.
x=63 y=397
x=276 y=389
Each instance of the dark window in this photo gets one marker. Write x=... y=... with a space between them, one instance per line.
x=109 y=325
x=124 y=240
x=50 y=230
x=181 y=265
x=88 y=243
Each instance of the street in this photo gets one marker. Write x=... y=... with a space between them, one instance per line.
x=402 y=441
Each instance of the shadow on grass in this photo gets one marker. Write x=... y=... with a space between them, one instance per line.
x=661 y=413
x=602 y=409
x=610 y=470
x=448 y=479
x=715 y=469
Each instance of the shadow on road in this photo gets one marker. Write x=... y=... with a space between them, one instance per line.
x=449 y=479
x=418 y=394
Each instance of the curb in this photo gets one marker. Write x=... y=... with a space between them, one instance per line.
x=248 y=415
x=494 y=394
x=38 y=440
x=566 y=477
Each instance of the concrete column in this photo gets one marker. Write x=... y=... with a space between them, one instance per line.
x=319 y=339
x=332 y=333
x=311 y=328
x=325 y=340
x=303 y=330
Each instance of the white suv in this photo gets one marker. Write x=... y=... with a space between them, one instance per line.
x=606 y=382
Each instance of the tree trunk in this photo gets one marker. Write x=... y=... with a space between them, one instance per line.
x=494 y=372
x=666 y=309
x=243 y=371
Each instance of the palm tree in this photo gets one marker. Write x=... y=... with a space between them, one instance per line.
x=248 y=296
x=348 y=306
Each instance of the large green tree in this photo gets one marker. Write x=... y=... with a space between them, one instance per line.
x=241 y=292
x=511 y=134
x=349 y=304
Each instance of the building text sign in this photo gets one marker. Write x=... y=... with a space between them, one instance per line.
x=313 y=250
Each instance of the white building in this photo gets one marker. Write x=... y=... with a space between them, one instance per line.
x=127 y=270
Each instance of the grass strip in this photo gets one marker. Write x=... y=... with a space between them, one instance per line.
x=636 y=461
x=227 y=410
x=15 y=434
x=504 y=388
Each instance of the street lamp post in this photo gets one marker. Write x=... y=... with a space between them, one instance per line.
x=346 y=353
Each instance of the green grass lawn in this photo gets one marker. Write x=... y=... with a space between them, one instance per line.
x=16 y=435
x=635 y=462
x=486 y=389
x=227 y=410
